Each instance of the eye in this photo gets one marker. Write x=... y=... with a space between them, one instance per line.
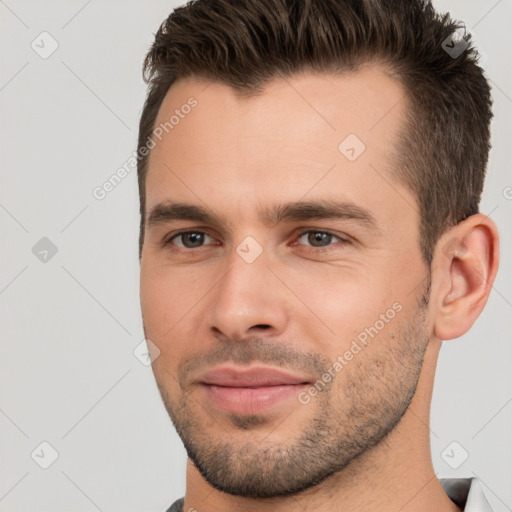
x=314 y=238
x=189 y=239
x=320 y=239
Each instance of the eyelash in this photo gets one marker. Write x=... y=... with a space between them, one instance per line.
x=343 y=241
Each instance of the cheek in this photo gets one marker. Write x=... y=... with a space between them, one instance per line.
x=342 y=305
x=160 y=302
x=342 y=296
x=168 y=296
x=164 y=303
x=153 y=300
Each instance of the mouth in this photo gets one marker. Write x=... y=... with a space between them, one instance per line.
x=250 y=391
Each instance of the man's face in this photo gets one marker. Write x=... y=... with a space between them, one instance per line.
x=332 y=302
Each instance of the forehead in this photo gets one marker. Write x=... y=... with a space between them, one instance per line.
x=314 y=135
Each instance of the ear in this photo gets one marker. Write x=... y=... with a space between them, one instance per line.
x=465 y=264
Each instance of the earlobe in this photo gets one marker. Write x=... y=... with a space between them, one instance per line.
x=467 y=261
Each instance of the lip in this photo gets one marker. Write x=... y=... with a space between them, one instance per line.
x=257 y=376
x=250 y=391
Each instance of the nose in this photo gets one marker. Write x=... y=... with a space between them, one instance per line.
x=248 y=300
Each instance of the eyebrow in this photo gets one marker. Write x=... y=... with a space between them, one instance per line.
x=324 y=209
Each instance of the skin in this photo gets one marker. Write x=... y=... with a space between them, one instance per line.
x=297 y=307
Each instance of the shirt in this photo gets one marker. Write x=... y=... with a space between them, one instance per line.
x=466 y=493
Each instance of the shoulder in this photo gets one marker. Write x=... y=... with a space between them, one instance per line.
x=177 y=506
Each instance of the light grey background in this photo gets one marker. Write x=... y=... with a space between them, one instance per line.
x=69 y=325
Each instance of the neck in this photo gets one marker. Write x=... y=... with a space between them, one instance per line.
x=397 y=474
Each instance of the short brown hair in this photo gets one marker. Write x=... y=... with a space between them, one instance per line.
x=442 y=152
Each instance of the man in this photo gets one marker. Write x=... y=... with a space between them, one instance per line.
x=310 y=233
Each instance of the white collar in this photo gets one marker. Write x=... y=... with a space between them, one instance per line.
x=466 y=493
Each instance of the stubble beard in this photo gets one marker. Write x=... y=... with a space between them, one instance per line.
x=376 y=389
